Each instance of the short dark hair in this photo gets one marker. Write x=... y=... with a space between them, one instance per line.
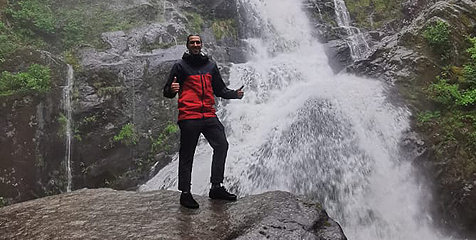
x=193 y=35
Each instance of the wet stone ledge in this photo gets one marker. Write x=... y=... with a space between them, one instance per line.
x=110 y=214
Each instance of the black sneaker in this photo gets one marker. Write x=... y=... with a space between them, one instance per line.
x=221 y=193
x=187 y=201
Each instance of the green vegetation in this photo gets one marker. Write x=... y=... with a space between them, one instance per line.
x=90 y=119
x=40 y=161
x=127 y=135
x=77 y=135
x=62 y=120
x=224 y=28
x=105 y=91
x=195 y=23
x=455 y=88
x=437 y=36
x=157 y=45
x=3 y=202
x=84 y=24
x=428 y=118
x=36 y=78
x=469 y=70
x=8 y=42
x=453 y=125
x=74 y=29
x=70 y=59
x=42 y=24
x=161 y=143
x=444 y=92
x=142 y=165
x=380 y=11
x=33 y=15
x=31 y=21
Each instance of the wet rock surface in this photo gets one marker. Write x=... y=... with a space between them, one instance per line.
x=333 y=37
x=109 y=214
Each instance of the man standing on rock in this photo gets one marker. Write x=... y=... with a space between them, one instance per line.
x=196 y=79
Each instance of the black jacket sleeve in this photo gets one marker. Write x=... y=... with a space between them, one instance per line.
x=219 y=88
x=175 y=72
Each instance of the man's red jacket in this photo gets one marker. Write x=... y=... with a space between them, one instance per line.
x=199 y=81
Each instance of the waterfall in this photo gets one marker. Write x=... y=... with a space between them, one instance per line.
x=301 y=128
x=68 y=111
x=356 y=41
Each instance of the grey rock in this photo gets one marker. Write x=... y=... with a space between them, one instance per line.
x=334 y=38
x=109 y=214
x=413 y=146
x=116 y=40
x=405 y=54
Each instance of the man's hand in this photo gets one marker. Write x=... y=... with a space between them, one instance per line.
x=175 y=87
x=240 y=92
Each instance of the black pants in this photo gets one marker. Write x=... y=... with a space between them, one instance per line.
x=190 y=131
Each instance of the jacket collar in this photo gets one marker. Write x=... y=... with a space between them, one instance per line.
x=195 y=59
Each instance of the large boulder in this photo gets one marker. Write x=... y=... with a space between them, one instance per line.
x=109 y=214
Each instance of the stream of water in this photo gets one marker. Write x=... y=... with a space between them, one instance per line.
x=68 y=133
x=355 y=40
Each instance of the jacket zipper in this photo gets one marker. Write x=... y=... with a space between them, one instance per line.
x=203 y=93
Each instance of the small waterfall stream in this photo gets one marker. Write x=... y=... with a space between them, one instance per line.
x=303 y=129
x=356 y=41
x=68 y=111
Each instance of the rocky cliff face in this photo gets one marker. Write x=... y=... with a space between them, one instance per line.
x=109 y=214
x=405 y=55
x=32 y=134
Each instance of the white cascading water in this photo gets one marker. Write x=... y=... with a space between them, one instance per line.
x=68 y=110
x=356 y=41
x=302 y=129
